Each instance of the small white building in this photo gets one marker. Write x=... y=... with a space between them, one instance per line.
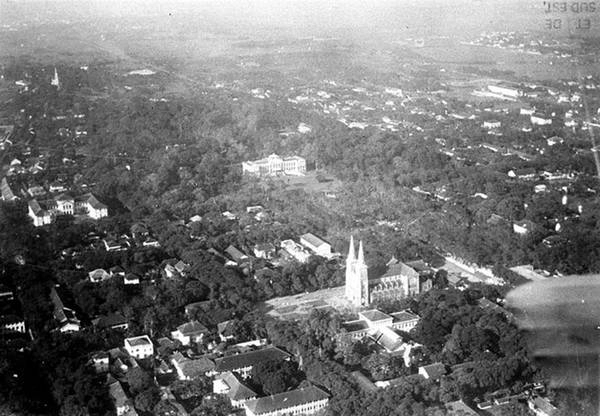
x=491 y=124
x=90 y=204
x=295 y=250
x=190 y=332
x=139 y=347
x=98 y=275
x=39 y=215
x=11 y=324
x=540 y=120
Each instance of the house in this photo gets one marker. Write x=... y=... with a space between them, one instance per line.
x=123 y=404
x=230 y=385
x=542 y=406
x=190 y=332
x=540 y=119
x=459 y=408
x=170 y=271
x=373 y=319
x=100 y=360
x=7 y=193
x=306 y=401
x=57 y=187
x=181 y=267
x=491 y=124
x=131 y=279
x=98 y=275
x=139 y=347
x=35 y=190
x=150 y=242
x=225 y=330
x=39 y=215
x=90 y=205
x=229 y=216
x=316 y=244
x=433 y=371
x=11 y=323
x=192 y=308
x=242 y=363
x=111 y=321
x=523 y=227
x=139 y=230
x=188 y=369
x=265 y=251
x=196 y=218
x=66 y=318
x=65 y=204
x=404 y=320
x=295 y=250
x=363 y=382
x=116 y=271
x=112 y=245
x=236 y=255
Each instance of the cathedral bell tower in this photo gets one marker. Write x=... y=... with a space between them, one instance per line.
x=357 y=280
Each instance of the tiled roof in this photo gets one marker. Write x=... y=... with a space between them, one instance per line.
x=400 y=269
x=193 y=368
x=434 y=371
x=404 y=316
x=237 y=389
x=375 y=315
x=313 y=239
x=192 y=328
x=110 y=320
x=249 y=359
x=141 y=340
x=286 y=400
x=358 y=325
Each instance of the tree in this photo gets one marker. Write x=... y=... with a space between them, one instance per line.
x=139 y=380
x=213 y=405
x=147 y=399
x=276 y=376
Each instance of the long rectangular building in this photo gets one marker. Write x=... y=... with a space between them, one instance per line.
x=304 y=401
x=274 y=164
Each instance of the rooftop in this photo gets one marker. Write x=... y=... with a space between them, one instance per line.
x=285 y=400
x=138 y=341
x=237 y=389
x=404 y=316
x=238 y=361
x=191 y=328
x=434 y=371
x=374 y=315
x=313 y=240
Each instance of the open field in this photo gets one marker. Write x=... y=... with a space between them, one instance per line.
x=300 y=306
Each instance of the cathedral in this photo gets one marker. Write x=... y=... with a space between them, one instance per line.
x=399 y=280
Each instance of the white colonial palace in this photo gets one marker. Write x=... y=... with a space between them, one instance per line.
x=274 y=164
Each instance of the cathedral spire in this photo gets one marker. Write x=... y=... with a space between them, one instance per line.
x=55 y=81
x=361 y=254
x=351 y=250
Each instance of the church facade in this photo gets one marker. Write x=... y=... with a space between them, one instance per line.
x=400 y=280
